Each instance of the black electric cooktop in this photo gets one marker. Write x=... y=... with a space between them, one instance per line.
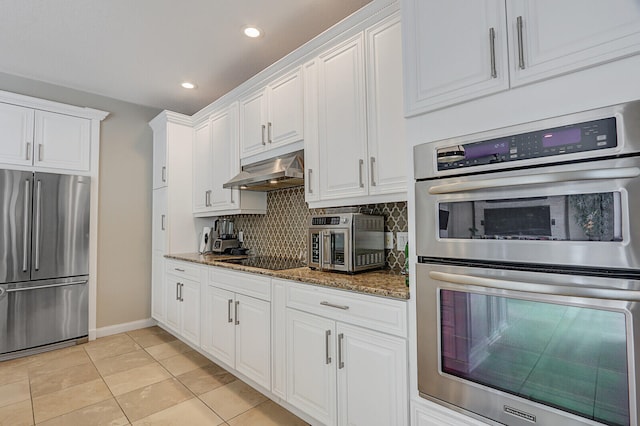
x=268 y=262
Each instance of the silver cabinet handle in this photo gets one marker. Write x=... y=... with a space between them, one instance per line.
x=373 y=165
x=492 y=51
x=28 y=151
x=340 y=360
x=520 y=42
x=598 y=174
x=519 y=286
x=229 y=310
x=164 y=173
x=263 y=129
x=40 y=148
x=269 y=132
x=178 y=269
x=360 y=164
x=309 y=171
x=207 y=198
x=181 y=287
x=162 y=225
x=327 y=336
x=37 y=224
x=25 y=236
x=177 y=291
x=331 y=305
x=232 y=202
x=236 y=313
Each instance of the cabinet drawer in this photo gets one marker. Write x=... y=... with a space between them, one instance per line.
x=386 y=315
x=253 y=285
x=183 y=269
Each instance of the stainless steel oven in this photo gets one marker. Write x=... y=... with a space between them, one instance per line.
x=528 y=279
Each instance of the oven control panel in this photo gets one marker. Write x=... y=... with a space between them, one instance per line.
x=587 y=136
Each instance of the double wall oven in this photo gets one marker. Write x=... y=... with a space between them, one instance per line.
x=528 y=275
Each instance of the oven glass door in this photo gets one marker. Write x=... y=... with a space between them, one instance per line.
x=570 y=353
x=329 y=249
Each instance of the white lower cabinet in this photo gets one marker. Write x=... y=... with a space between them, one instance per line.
x=182 y=301
x=237 y=327
x=343 y=374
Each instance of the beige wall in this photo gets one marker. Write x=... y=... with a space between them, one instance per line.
x=124 y=228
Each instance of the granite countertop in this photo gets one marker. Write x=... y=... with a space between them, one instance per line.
x=380 y=283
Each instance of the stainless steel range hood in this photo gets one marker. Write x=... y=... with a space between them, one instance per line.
x=285 y=171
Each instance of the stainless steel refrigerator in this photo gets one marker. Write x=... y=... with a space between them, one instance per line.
x=44 y=260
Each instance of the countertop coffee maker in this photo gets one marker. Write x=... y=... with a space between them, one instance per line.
x=225 y=239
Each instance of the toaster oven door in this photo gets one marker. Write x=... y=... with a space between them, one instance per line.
x=329 y=249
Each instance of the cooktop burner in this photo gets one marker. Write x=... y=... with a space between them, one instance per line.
x=269 y=262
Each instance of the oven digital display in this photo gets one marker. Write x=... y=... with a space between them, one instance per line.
x=486 y=149
x=561 y=137
x=326 y=220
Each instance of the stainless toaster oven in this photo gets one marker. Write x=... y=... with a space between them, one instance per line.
x=346 y=242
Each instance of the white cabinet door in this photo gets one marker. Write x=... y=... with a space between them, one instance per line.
x=159 y=220
x=190 y=306
x=285 y=109
x=342 y=128
x=172 y=304
x=386 y=136
x=311 y=360
x=16 y=135
x=253 y=129
x=451 y=53
x=561 y=37
x=160 y=157
x=157 y=286
x=226 y=162
x=220 y=324
x=311 y=148
x=375 y=365
x=62 y=141
x=202 y=168
x=253 y=339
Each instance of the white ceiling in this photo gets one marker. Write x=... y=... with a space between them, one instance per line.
x=141 y=50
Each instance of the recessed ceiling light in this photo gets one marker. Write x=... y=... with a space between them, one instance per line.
x=188 y=85
x=252 y=32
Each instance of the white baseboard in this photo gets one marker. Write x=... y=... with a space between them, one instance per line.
x=121 y=328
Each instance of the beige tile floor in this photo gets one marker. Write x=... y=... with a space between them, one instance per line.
x=143 y=377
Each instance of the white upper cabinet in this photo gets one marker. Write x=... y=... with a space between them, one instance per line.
x=386 y=134
x=44 y=139
x=216 y=161
x=359 y=152
x=202 y=167
x=551 y=38
x=16 y=138
x=342 y=126
x=456 y=51
x=272 y=116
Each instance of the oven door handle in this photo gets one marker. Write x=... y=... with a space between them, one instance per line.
x=598 y=174
x=588 y=292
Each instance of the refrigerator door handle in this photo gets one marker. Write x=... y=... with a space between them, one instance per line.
x=37 y=225
x=25 y=237
x=14 y=290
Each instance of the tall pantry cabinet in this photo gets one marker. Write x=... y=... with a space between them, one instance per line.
x=172 y=222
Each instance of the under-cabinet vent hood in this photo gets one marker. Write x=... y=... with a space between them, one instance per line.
x=284 y=171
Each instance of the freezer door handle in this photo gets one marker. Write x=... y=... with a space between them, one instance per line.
x=25 y=237
x=15 y=290
x=37 y=225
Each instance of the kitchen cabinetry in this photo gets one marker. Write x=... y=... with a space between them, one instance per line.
x=237 y=323
x=44 y=139
x=272 y=116
x=172 y=220
x=360 y=139
x=455 y=52
x=215 y=160
x=337 y=352
x=182 y=295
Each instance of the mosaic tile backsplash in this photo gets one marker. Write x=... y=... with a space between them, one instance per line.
x=282 y=231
